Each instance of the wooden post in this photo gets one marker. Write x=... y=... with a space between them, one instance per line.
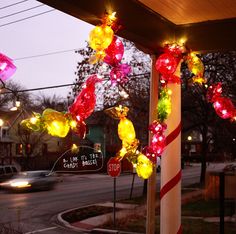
x=151 y=190
x=170 y=193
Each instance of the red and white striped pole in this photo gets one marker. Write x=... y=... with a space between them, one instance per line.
x=170 y=194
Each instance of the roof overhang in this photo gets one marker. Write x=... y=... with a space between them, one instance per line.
x=148 y=29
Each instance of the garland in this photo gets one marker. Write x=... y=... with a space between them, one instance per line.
x=110 y=49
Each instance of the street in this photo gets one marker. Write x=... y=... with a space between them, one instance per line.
x=36 y=212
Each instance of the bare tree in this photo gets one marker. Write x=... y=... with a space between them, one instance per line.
x=137 y=87
x=54 y=102
x=198 y=114
x=12 y=92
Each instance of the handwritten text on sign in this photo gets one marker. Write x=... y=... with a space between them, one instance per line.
x=86 y=159
x=78 y=160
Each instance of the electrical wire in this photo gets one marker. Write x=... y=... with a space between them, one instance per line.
x=29 y=17
x=36 y=89
x=46 y=54
x=18 y=12
x=13 y=4
x=60 y=86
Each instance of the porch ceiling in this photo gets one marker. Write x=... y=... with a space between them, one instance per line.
x=193 y=11
x=208 y=25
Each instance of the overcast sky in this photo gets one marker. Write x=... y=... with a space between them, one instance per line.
x=49 y=32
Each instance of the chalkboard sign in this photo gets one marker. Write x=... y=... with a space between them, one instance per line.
x=87 y=159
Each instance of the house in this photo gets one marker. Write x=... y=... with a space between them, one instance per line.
x=17 y=143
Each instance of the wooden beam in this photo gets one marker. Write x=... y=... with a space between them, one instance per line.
x=209 y=36
x=148 y=29
x=141 y=25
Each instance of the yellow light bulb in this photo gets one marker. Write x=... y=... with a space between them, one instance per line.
x=169 y=91
x=33 y=120
x=112 y=16
x=126 y=130
x=74 y=148
x=73 y=123
x=144 y=167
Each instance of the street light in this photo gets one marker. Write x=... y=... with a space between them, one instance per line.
x=189 y=138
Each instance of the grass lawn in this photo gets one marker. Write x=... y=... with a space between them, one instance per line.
x=137 y=222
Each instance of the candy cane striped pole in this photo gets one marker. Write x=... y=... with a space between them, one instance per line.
x=170 y=194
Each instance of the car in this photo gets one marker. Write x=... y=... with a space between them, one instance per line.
x=7 y=172
x=31 y=180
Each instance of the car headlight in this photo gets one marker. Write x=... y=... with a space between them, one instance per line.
x=20 y=184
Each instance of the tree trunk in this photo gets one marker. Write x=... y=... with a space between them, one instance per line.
x=204 y=155
x=144 y=187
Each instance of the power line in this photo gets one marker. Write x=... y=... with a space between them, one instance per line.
x=41 y=88
x=18 y=12
x=16 y=21
x=13 y=4
x=64 y=85
x=46 y=54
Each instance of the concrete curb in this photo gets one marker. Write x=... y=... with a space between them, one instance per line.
x=67 y=224
x=89 y=225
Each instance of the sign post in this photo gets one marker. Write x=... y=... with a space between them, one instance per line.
x=113 y=170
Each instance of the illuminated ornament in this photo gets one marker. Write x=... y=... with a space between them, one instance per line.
x=166 y=64
x=174 y=49
x=84 y=103
x=100 y=37
x=234 y=116
x=173 y=79
x=130 y=144
x=157 y=127
x=78 y=127
x=7 y=68
x=150 y=154
x=144 y=167
x=164 y=105
x=74 y=149
x=111 y=20
x=33 y=123
x=158 y=143
x=195 y=64
x=199 y=80
x=132 y=156
x=56 y=123
x=224 y=107
x=126 y=130
x=99 y=55
x=114 y=52
x=213 y=92
x=119 y=73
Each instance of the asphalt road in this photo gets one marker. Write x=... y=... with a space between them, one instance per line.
x=36 y=212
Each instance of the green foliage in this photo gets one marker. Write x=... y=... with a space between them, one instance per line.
x=164 y=106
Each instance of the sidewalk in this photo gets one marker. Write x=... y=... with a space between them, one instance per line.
x=90 y=225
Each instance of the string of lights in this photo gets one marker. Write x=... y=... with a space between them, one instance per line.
x=19 y=12
x=1 y=8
